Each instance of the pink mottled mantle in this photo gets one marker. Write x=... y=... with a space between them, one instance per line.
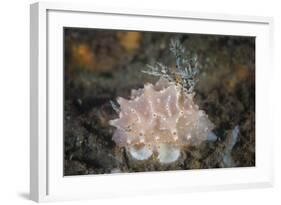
x=160 y=114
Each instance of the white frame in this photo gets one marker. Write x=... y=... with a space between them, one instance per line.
x=46 y=180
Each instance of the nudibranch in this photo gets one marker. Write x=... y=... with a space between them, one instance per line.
x=160 y=119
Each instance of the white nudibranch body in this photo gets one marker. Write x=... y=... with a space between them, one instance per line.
x=160 y=119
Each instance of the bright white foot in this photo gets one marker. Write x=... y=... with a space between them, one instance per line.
x=140 y=153
x=168 y=153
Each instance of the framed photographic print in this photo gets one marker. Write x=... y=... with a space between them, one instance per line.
x=129 y=101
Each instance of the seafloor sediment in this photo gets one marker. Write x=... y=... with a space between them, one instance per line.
x=101 y=65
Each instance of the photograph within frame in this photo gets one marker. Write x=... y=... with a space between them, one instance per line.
x=137 y=101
